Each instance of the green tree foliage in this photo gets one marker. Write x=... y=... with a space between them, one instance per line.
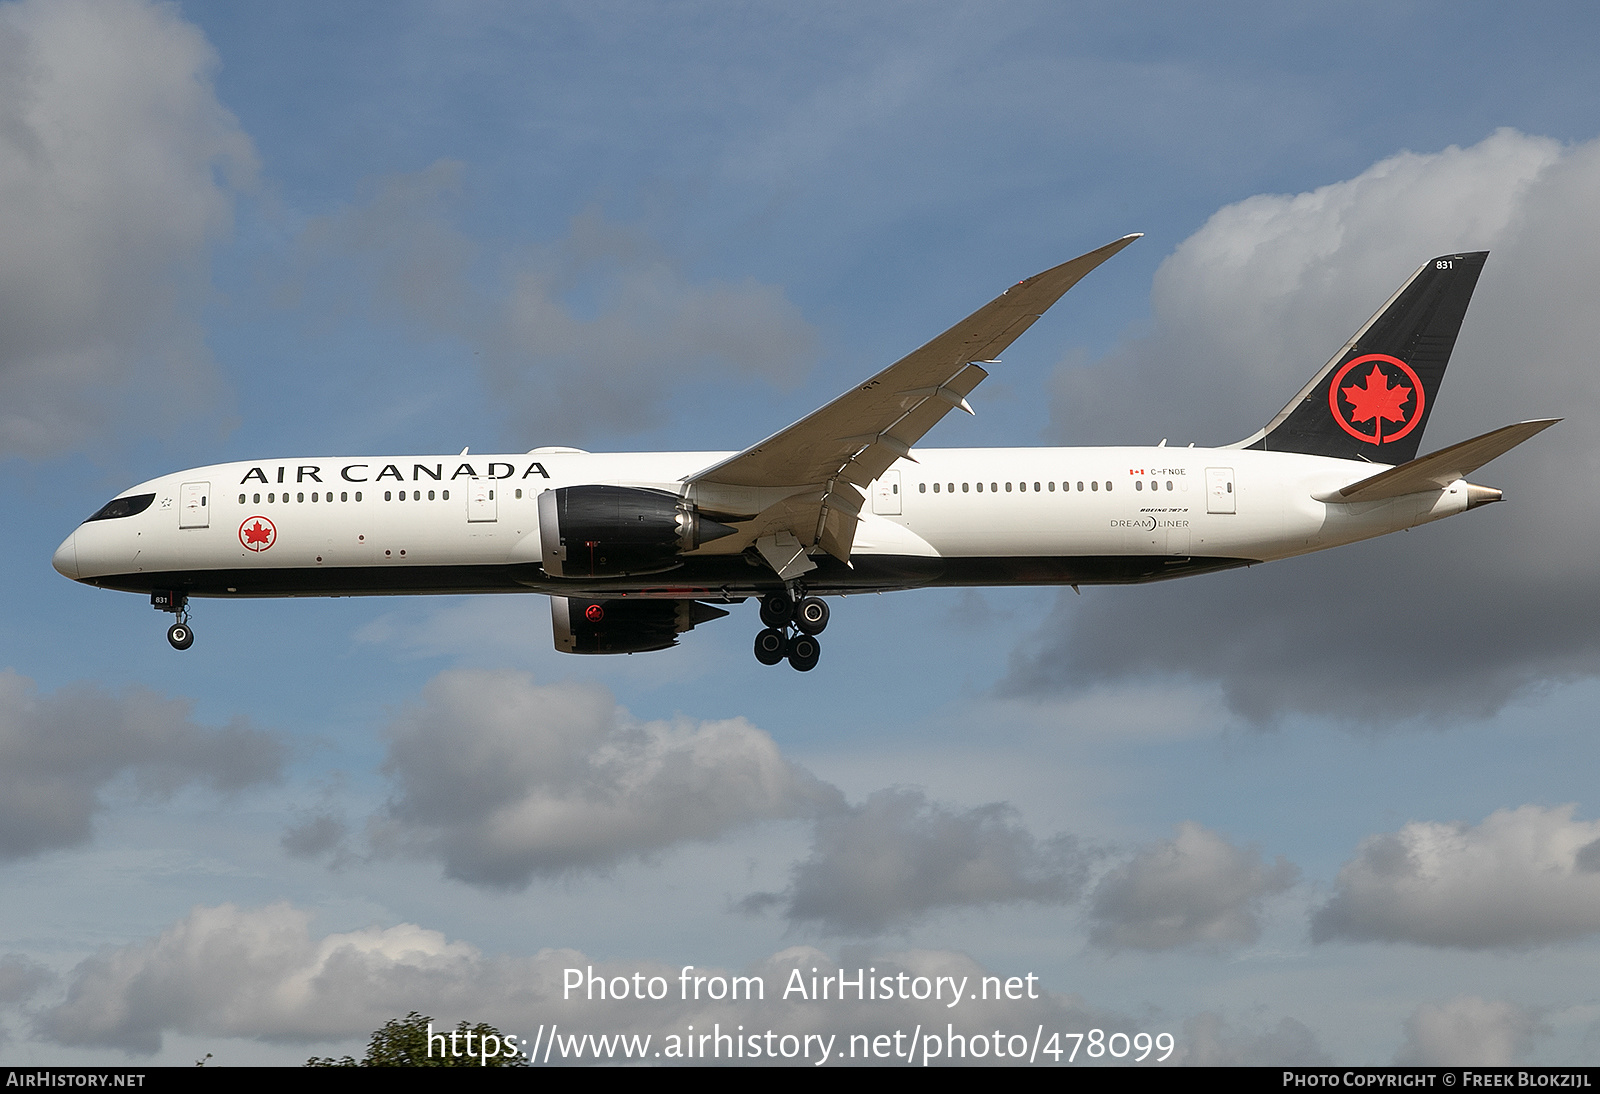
x=404 y=1042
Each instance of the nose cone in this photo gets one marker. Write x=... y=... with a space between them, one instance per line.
x=65 y=560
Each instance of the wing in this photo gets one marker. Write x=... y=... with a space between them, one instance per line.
x=820 y=460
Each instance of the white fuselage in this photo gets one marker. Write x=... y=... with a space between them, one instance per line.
x=339 y=526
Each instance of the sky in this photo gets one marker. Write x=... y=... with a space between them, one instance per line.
x=1337 y=809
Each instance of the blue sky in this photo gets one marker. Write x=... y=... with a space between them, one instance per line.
x=1339 y=808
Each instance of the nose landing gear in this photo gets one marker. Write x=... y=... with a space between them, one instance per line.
x=808 y=618
x=180 y=634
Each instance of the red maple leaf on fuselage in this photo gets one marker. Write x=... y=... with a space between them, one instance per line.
x=1376 y=402
x=257 y=533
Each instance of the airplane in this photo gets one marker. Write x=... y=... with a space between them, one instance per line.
x=636 y=549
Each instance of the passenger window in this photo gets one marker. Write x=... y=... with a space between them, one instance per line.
x=299 y=496
x=1169 y=484
x=344 y=495
x=1108 y=487
x=994 y=487
x=519 y=493
x=388 y=495
x=980 y=488
x=447 y=495
x=255 y=499
x=1008 y=488
x=1080 y=487
x=922 y=488
x=241 y=499
x=963 y=488
x=1094 y=486
x=935 y=488
x=1138 y=484
x=313 y=495
x=1052 y=486
x=430 y=495
x=358 y=495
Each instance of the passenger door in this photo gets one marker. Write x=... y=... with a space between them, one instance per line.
x=194 y=505
x=481 y=501
x=886 y=494
x=1219 y=490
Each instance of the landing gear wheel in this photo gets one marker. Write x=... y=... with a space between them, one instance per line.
x=776 y=609
x=771 y=645
x=804 y=652
x=811 y=615
x=180 y=636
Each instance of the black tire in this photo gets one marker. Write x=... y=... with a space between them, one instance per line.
x=180 y=636
x=804 y=651
x=776 y=609
x=771 y=646
x=811 y=615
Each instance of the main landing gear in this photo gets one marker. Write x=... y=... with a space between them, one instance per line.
x=807 y=618
x=180 y=634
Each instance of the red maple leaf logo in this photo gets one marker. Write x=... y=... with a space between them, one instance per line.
x=1377 y=400
x=257 y=533
x=1380 y=394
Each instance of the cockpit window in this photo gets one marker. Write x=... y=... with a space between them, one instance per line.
x=123 y=507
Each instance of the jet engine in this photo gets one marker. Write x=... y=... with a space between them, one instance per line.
x=624 y=626
x=618 y=531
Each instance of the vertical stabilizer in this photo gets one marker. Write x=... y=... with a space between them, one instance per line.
x=1372 y=401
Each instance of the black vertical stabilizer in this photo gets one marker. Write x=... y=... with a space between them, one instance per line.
x=1372 y=401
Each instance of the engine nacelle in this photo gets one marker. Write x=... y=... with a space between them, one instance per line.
x=618 y=531
x=624 y=626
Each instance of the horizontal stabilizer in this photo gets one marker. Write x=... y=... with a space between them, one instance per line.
x=1439 y=469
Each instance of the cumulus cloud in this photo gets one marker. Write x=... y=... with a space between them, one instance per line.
x=118 y=168
x=503 y=779
x=239 y=972
x=898 y=856
x=1517 y=879
x=262 y=973
x=1468 y=1031
x=592 y=330
x=1195 y=889
x=58 y=752
x=1452 y=619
